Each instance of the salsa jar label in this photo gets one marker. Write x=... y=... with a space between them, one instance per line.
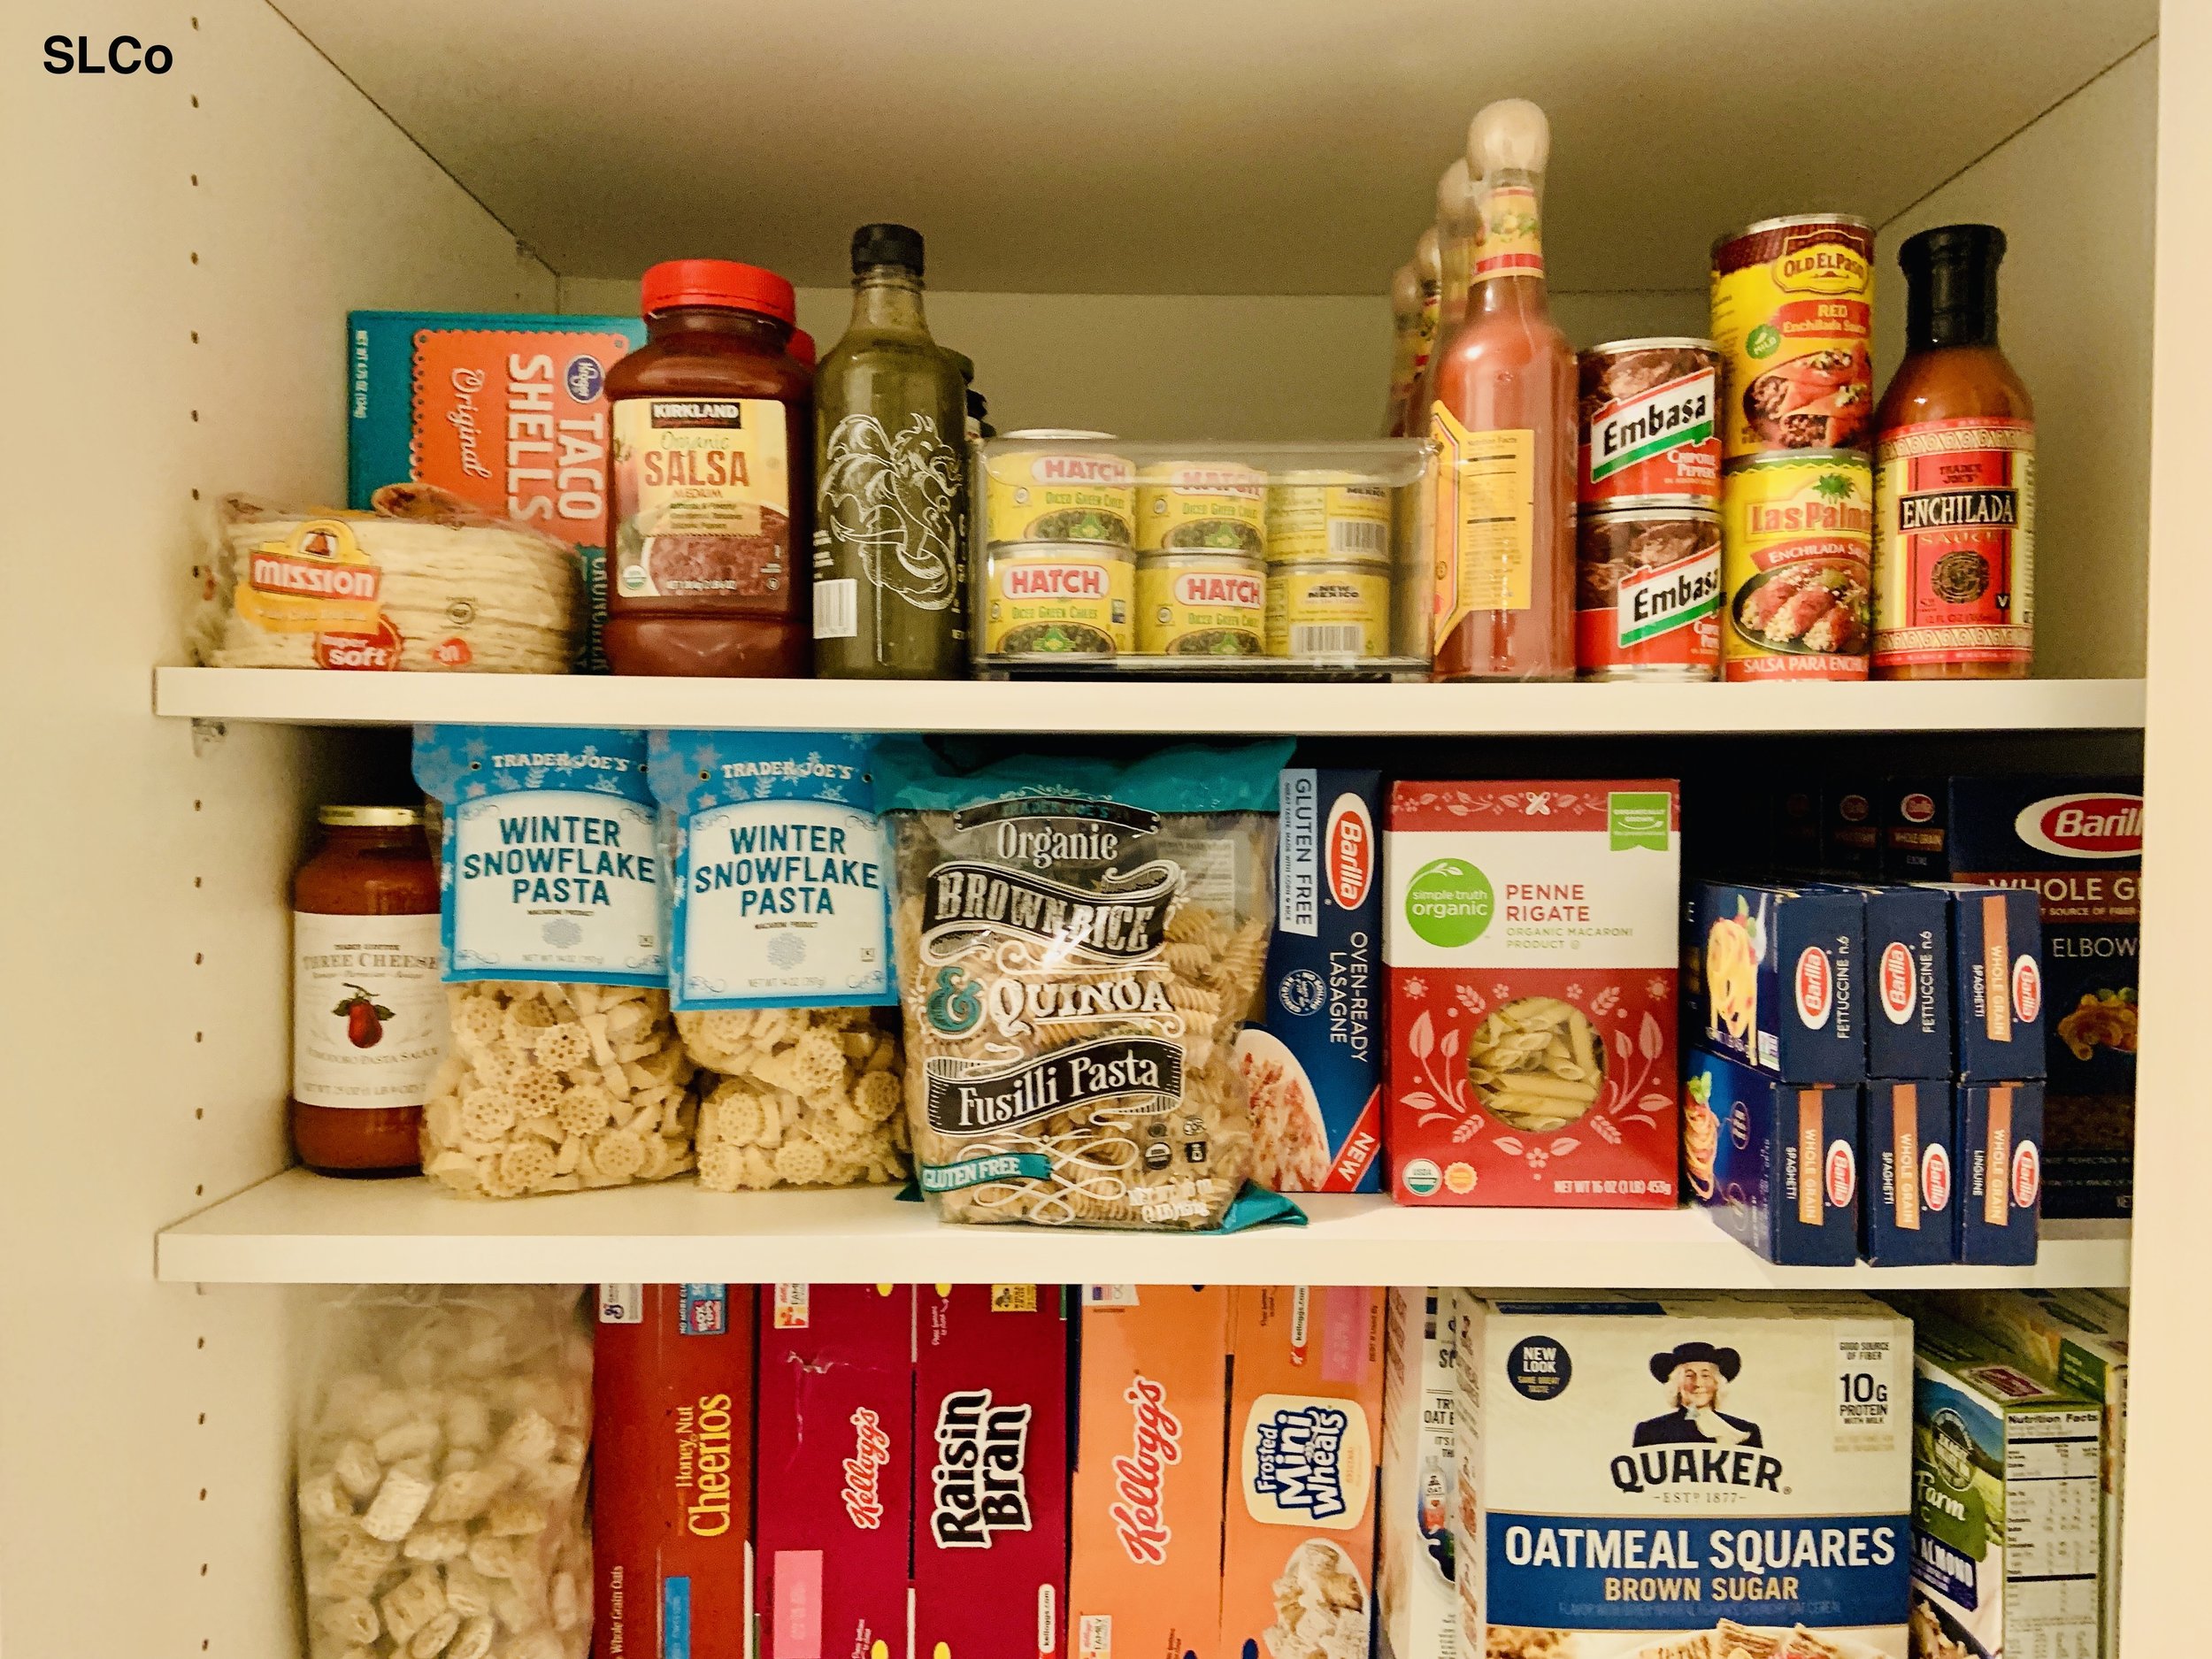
x=1328 y=609
x=701 y=497
x=1797 y=537
x=368 y=1010
x=1053 y=498
x=1793 y=316
x=1059 y=599
x=1648 y=422
x=1200 y=606
x=1955 y=577
x=1648 y=593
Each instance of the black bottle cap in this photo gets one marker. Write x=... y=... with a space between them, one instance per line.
x=886 y=244
x=1951 y=284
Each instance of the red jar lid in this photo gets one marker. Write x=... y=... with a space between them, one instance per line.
x=745 y=287
x=802 y=347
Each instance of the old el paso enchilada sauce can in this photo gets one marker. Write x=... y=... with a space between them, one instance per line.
x=1793 y=317
x=1797 y=543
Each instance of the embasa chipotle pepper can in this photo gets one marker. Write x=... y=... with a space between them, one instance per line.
x=1797 y=535
x=1793 y=317
x=1648 y=593
x=1649 y=419
x=1954 y=543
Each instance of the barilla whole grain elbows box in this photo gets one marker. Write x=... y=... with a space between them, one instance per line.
x=1312 y=1057
x=1415 y=1581
x=990 y=1471
x=1684 y=1477
x=835 y=1457
x=506 y=411
x=1529 y=933
x=1908 y=1210
x=1773 y=978
x=1775 y=1163
x=1305 y=1422
x=2000 y=1160
x=671 y=1471
x=1144 y=1528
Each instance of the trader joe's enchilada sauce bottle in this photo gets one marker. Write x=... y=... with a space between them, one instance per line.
x=1954 y=485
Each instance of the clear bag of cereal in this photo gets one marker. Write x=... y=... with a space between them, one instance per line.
x=441 y=1491
x=796 y=1097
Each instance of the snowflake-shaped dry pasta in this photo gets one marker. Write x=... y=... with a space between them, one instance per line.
x=785 y=1110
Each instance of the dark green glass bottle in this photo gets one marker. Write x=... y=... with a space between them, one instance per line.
x=890 y=572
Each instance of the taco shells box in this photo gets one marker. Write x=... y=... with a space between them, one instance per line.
x=1682 y=1477
x=1529 y=937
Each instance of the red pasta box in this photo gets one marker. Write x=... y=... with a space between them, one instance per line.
x=836 y=1454
x=1530 y=941
x=671 y=1472
x=990 y=1471
x=1305 y=1430
x=1144 y=1579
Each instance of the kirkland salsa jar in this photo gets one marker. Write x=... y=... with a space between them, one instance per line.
x=709 y=492
x=368 y=1009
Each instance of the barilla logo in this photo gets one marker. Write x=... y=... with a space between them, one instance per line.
x=1673 y=416
x=376 y=651
x=981 y=1483
x=1081 y=469
x=863 y=1492
x=320 y=579
x=2084 y=826
x=1350 y=844
x=1899 y=983
x=2027 y=989
x=1854 y=809
x=1842 y=1171
x=2027 y=1175
x=1816 y=982
x=1916 y=809
x=1818 y=266
x=1140 y=1514
x=1667 y=597
x=1218 y=588
x=1056 y=581
x=1935 y=1178
x=1300 y=1453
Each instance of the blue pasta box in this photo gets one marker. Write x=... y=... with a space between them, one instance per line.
x=1773 y=978
x=2000 y=1162
x=1997 y=983
x=1914 y=813
x=1908 y=1214
x=1850 y=830
x=1312 y=1055
x=1776 y=1164
x=1908 y=980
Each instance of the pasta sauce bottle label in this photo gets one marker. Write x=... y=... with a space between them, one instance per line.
x=1955 y=539
x=368 y=1010
x=702 y=499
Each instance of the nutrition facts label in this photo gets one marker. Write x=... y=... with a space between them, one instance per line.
x=2052 y=1541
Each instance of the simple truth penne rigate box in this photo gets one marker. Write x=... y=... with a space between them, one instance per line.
x=1528 y=933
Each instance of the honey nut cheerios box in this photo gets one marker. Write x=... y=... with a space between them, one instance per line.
x=1305 y=1422
x=1144 y=1576
x=1529 y=938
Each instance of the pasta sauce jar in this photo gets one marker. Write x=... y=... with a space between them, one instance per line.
x=368 y=1009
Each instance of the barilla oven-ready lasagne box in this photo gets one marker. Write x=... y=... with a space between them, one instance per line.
x=2078 y=843
x=1414 y=1580
x=1529 y=933
x=835 y=1456
x=1312 y=1057
x=1305 y=1422
x=990 y=1471
x=1773 y=978
x=508 y=411
x=1692 y=1477
x=2001 y=1173
x=1908 y=1210
x=1775 y=1163
x=1144 y=1574
x=671 y=1472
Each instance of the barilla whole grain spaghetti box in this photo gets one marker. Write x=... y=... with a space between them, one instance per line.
x=1414 y=1574
x=835 y=1455
x=671 y=1472
x=1683 y=1478
x=505 y=411
x=1305 y=1423
x=990 y=1471
x=1144 y=1576
x=1530 y=937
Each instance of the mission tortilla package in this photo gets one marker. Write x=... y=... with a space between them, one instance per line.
x=1079 y=940
x=1774 y=978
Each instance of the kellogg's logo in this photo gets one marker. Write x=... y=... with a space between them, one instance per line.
x=2084 y=826
x=1816 y=985
x=1139 y=1513
x=1350 y=851
x=980 y=1482
x=863 y=1494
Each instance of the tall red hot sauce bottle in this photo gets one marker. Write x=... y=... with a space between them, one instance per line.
x=1503 y=420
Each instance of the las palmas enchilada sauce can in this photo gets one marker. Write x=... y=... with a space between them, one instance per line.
x=1797 y=537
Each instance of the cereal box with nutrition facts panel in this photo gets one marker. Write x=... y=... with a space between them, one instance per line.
x=1414 y=1577
x=1773 y=978
x=835 y=1459
x=1692 y=1477
x=1529 y=936
x=1144 y=1576
x=1775 y=1163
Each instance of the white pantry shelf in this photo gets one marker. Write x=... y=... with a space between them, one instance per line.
x=301 y=1228
x=315 y=697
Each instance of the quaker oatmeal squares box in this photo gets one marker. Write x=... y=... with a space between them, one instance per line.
x=835 y=1456
x=1305 y=1418
x=1693 y=1477
x=1414 y=1577
x=990 y=1471
x=1144 y=1578
x=1530 y=938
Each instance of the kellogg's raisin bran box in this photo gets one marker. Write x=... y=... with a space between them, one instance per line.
x=671 y=1472
x=1144 y=1578
x=1305 y=1421
x=508 y=411
x=1529 y=933
x=990 y=1471
x=1683 y=1478
x=835 y=1455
